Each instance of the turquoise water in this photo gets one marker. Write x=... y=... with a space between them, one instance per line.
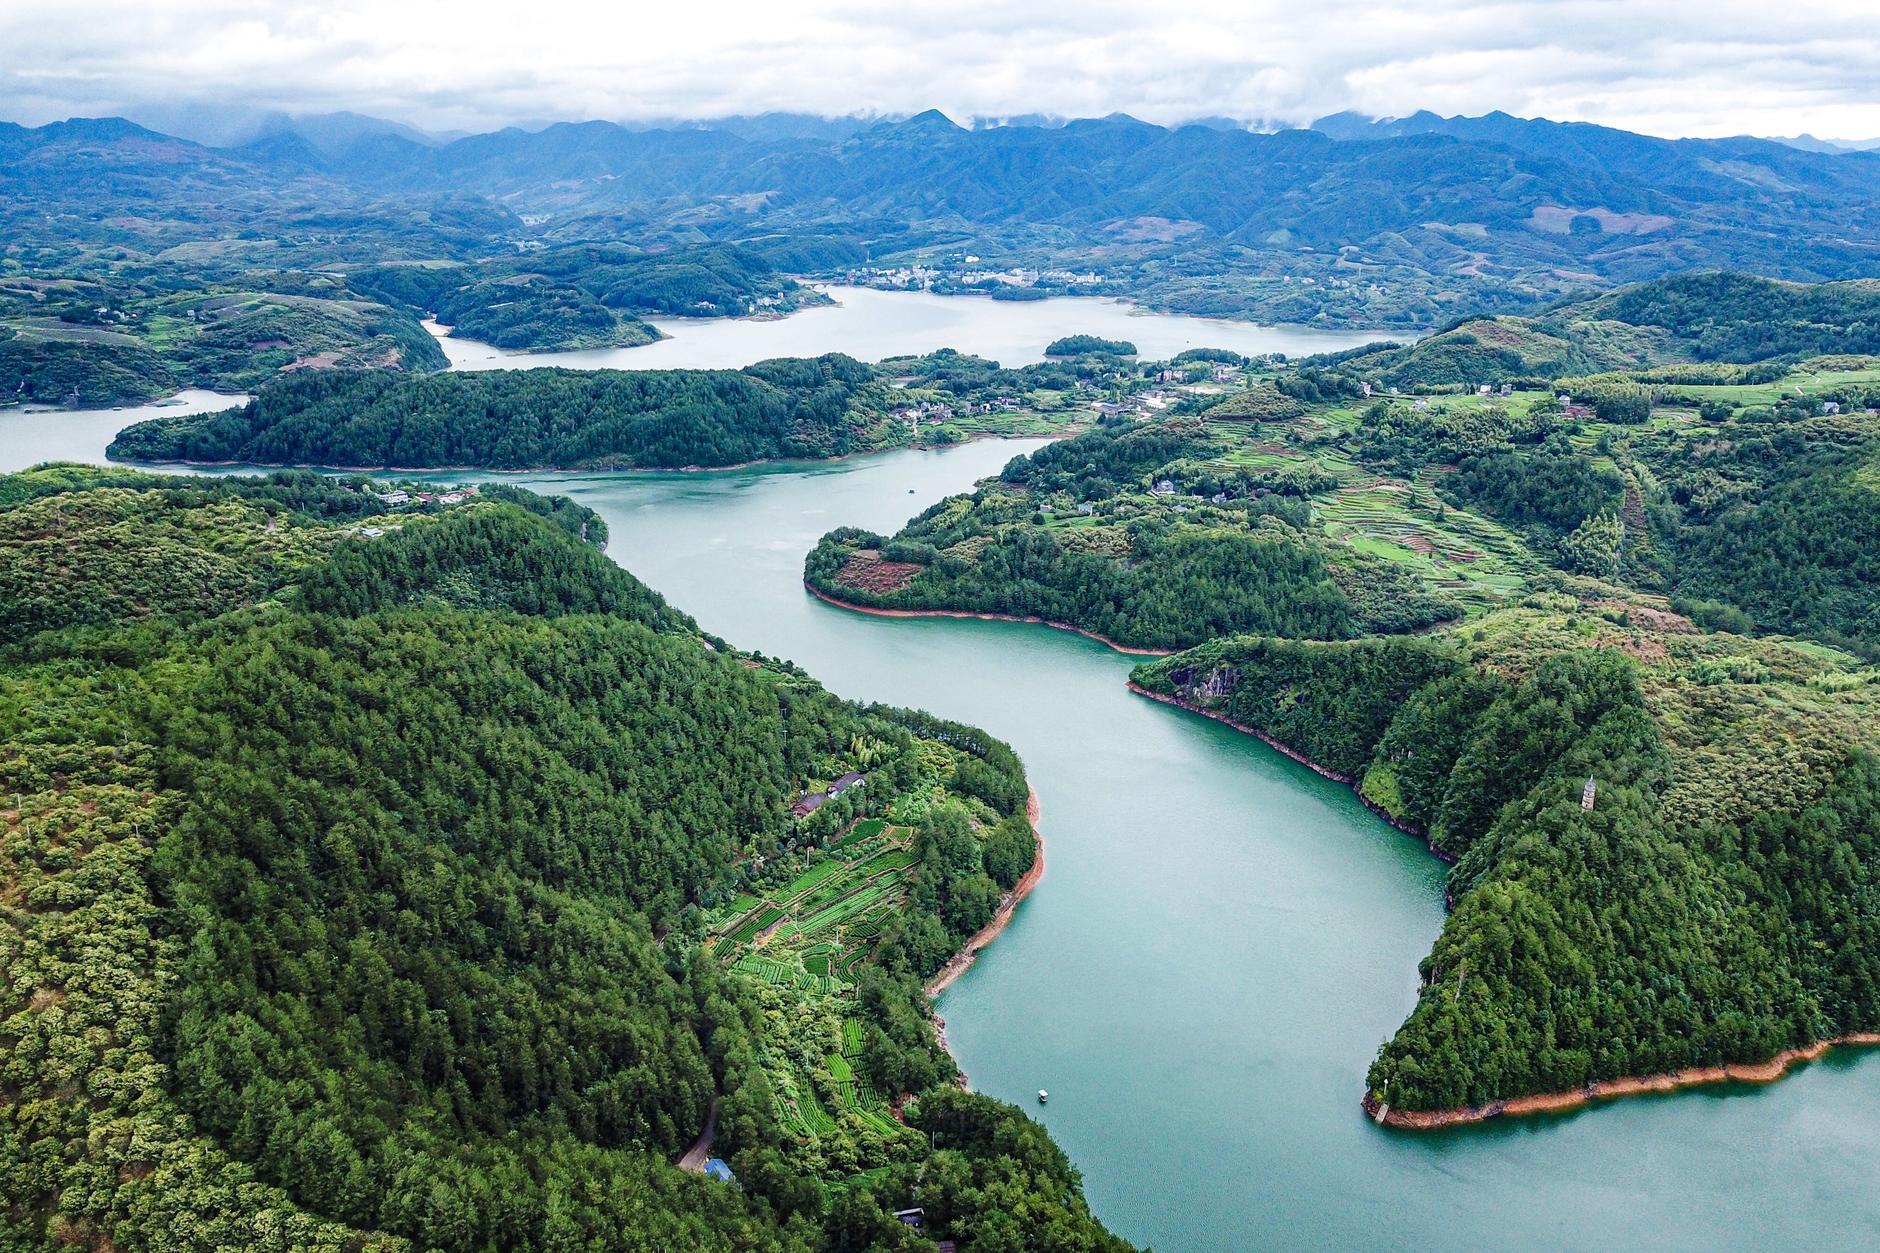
x=1222 y=938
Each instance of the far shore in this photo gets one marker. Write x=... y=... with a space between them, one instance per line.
x=837 y=601
x=465 y=469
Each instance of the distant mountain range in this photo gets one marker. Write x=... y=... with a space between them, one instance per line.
x=1400 y=219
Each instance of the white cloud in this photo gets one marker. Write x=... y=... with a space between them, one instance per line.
x=1681 y=67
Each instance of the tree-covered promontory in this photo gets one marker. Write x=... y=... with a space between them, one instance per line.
x=1665 y=842
x=789 y=407
x=357 y=893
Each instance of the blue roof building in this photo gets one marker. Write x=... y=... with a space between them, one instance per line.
x=715 y=1168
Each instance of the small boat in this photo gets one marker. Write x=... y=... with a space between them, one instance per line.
x=1043 y=1096
x=910 y=491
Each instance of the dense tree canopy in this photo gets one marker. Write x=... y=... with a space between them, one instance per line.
x=520 y=419
x=362 y=873
x=1629 y=938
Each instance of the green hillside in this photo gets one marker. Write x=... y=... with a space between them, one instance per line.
x=91 y=338
x=355 y=886
x=790 y=407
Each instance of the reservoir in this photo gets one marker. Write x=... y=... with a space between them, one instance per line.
x=870 y=325
x=1222 y=938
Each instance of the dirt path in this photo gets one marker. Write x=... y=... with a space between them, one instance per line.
x=694 y=1158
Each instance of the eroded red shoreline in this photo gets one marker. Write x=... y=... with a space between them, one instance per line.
x=963 y=960
x=1008 y=905
x=1545 y=1102
x=837 y=601
x=1608 y=1089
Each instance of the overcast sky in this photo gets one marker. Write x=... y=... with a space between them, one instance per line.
x=1670 y=67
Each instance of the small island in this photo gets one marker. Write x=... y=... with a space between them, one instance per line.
x=1084 y=345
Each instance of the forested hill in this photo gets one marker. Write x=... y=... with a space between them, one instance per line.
x=509 y=420
x=512 y=420
x=1667 y=843
x=361 y=871
x=95 y=334
x=589 y=296
x=1689 y=319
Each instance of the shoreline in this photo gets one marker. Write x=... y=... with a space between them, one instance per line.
x=1408 y=828
x=1545 y=1102
x=1611 y=1089
x=962 y=961
x=839 y=603
x=694 y=469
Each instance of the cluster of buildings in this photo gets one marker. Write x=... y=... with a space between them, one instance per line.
x=970 y=274
x=1146 y=402
x=1569 y=409
x=931 y=410
x=398 y=498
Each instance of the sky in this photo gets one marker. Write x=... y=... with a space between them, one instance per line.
x=1667 y=67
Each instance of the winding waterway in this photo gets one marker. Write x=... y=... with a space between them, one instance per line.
x=1222 y=938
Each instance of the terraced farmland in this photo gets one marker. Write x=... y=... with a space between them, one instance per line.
x=807 y=938
x=1464 y=553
